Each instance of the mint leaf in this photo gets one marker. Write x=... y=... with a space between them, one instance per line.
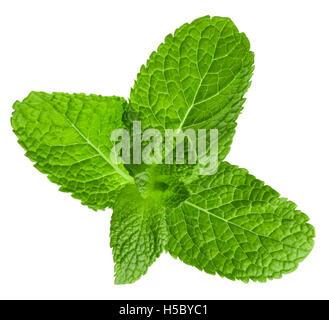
x=196 y=79
x=138 y=234
x=67 y=136
x=228 y=223
x=239 y=228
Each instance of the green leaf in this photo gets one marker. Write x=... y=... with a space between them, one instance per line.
x=235 y=226
x=68 y=137
x=138 y=234
x=196 y=79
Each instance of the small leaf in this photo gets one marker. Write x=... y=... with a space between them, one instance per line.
x=138 y=234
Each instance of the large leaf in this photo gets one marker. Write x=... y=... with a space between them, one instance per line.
x=68 y=137
x=196 y=79
x=234 y=225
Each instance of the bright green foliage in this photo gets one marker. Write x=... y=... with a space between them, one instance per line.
x=235 y=226
x=229 y=223
x=196 y=79
x=68 y=138
x=138 y=234
x=164 y=178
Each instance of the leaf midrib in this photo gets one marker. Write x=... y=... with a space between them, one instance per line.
x=193 y=104
x=115 y=167
x=230 y=222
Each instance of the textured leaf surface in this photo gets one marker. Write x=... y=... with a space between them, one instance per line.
x=138 y=234
x=165 y=182
x=68 y=136
x=196 y=79
x=235 y=226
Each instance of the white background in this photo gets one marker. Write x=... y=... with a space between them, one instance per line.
x=51 y=247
